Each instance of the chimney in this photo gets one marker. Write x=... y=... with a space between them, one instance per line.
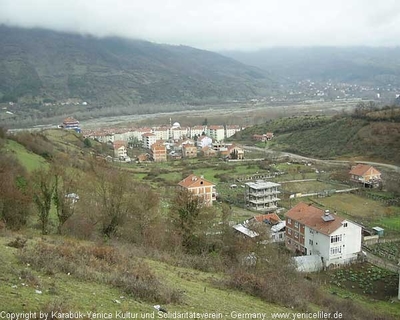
x=327 y=212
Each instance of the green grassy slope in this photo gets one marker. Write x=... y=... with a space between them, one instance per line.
x=332 y=137
x=29 y=160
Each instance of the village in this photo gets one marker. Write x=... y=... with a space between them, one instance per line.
x=321 y=236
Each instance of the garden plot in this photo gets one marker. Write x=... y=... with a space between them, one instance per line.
x=388 y=250
x=365 y=279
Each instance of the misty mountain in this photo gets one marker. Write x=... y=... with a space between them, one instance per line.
x=361 y=65
x=41 y=65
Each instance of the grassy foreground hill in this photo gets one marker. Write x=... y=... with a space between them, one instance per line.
x=372 y=137
x=70 y=272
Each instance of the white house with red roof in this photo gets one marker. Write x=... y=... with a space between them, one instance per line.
x=120 y=150
x=200 y=187
x=313 y=231
x=365 y=173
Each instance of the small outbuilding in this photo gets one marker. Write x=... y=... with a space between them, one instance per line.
x=379 y=231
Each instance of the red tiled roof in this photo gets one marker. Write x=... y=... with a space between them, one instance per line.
x=271 y=217
x=119 y=143
x=69 y=120
x=360 y=169
x=312 y=218
x=217 y=127
x=193 y=181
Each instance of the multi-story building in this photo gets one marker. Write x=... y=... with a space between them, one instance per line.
x=148 y=139
x=313 y=231
x=158 y=152
x=139 y=132
x=162 y=133
x=120 y=150
x=189 y=151
x=200 y=187
x=197 y=131
x=71 y=124
x=216 y=132
x=230 y=130
x=262 y=195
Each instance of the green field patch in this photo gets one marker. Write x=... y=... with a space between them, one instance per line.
x=311 y=187
x=29 y=160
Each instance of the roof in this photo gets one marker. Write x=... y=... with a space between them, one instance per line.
x=361 y=169
x=188 y=145
x=246 y=231
x=158 y=146
x=261 y=184
x=308 y=263
x=216 y=127
x=70 y=119
x=148 y=134
x=279 y=226
x=312 y=217
x=378 y=229
x=270 y=217
x=119 y=143
x=194 y=181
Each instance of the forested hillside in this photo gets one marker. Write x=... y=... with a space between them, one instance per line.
x=39 y=66
x=366 y=134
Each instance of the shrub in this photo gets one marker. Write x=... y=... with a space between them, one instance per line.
x=104 y=264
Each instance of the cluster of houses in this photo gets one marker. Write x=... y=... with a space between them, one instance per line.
x=319 y=238
x=171 y=132
x=172 y=142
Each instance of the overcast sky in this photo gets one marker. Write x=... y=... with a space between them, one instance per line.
x=218 y=24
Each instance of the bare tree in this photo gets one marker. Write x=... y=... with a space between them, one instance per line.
x=43 y=188
x=65 y=184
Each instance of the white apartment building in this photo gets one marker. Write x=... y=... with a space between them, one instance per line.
x=262 y=195
x=148 y=140
x=313 y=231
x=197 y=131
x=216 y=132
x=230 y=130
x=162 y=133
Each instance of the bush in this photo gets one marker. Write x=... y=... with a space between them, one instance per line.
x=104 y=264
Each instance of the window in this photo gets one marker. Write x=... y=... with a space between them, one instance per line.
x=311 y=231
x=336 y=238
x=289 y=221
x=296 y=224
x=296 y=235
x=336 y=250
x=310 y=242
x=289 y=231
x=345 y=224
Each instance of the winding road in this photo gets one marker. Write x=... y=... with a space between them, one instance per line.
x=299 y=157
